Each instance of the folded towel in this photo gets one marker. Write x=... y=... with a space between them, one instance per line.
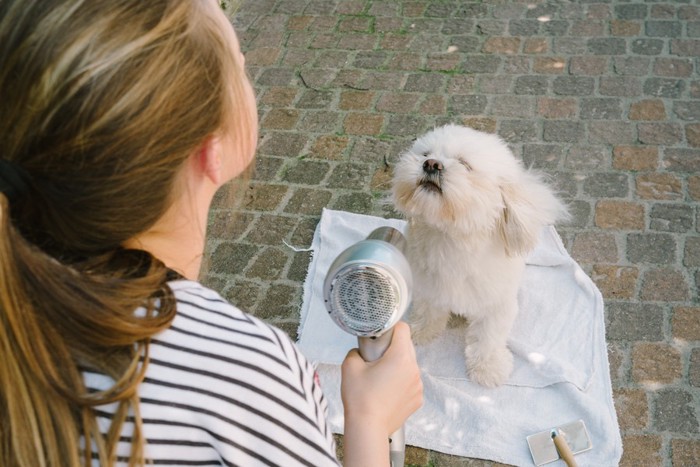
x=560 y=370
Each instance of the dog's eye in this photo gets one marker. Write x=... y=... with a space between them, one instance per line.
x=426 y=154
x=465 y=164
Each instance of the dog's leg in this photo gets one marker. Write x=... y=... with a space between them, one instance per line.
x=489 y=361
x=426 y=321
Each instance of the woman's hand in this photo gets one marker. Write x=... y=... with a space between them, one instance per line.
x=378 y=397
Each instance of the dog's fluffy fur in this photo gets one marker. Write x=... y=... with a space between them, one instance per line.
x=473 y=214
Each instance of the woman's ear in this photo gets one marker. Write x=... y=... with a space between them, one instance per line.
x=208 y=160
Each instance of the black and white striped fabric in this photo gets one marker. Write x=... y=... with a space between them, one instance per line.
x=224 y=388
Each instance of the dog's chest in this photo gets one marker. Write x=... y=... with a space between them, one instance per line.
x=460 y=271
x=441 y=262
x=435 y=253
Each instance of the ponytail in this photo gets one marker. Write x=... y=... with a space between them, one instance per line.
x=72 y=321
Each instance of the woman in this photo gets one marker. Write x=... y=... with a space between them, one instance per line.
x=119 y=121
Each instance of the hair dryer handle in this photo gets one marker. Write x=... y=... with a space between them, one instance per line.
x=371 y=349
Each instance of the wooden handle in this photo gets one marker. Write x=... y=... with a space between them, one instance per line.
x=564 y=450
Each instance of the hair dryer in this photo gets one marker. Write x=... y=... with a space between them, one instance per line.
x=366 y=291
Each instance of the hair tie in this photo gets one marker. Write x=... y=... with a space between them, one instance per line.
x=14 y=180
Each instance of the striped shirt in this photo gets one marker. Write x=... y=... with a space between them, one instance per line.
x=224 y=388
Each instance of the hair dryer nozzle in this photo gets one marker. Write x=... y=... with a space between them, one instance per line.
x=368 y=286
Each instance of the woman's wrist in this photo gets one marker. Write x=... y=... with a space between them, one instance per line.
x=365 y=442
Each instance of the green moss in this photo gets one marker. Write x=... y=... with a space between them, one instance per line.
x=444 y=72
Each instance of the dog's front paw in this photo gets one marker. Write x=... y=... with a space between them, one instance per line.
x=490 y=369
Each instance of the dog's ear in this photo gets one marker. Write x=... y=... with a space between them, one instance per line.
x=528 y=205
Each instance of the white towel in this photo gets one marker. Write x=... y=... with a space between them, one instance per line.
x=560 y=371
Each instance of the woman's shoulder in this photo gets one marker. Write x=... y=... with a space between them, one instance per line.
x=212 y=307
x=201 y=310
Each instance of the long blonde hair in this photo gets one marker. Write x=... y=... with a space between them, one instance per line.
x=102 y=102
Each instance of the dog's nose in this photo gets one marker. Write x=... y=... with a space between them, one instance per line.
x=431 y=166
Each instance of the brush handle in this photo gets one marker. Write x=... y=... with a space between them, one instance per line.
x=371 y=349
x=564 y=450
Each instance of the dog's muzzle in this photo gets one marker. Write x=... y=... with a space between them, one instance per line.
x=431 y=180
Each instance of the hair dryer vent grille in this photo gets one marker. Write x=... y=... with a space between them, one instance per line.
x=364 y=299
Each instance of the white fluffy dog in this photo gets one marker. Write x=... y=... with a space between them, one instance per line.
x=473 y=214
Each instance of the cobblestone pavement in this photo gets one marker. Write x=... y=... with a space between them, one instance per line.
x=604 y=95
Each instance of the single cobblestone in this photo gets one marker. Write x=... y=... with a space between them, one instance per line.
x=685 y=451
x=686 y=323
x=632 y=409
x=674 y=412
x=651 y=248
x=641 y=450
x=664 y=285
x=620 y=215
x=656 y=363
x=630 y=322
x=635 y=158
x=647 y=109
x=671 y=217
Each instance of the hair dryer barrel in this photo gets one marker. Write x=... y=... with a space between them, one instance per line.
x=368 y=286
x=389 y=235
